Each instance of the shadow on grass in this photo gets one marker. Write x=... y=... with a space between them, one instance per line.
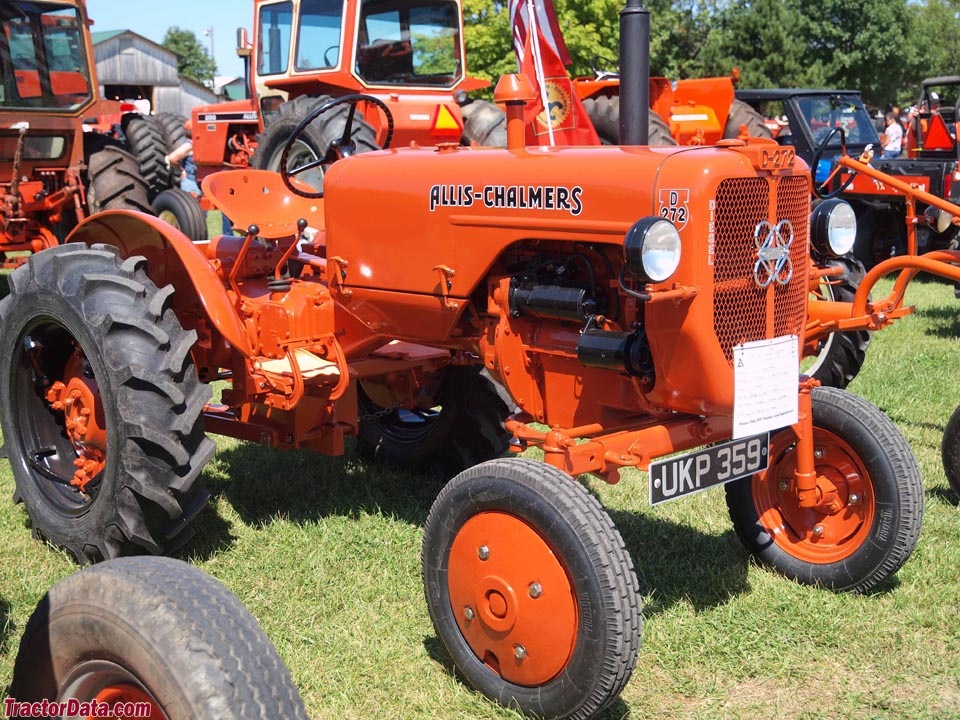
x=263 y=484
x=438 y=653
x=943 y=321
x=6 y=624
x=943 y=494
x=675 y=562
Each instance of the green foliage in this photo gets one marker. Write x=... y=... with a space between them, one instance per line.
x=194 y=61
x=880 y=47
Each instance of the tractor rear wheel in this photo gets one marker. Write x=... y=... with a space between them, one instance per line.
x=157 y=631
x=174 y=135
x=531 y=589
x=463 y=426
x=484 y=124
x=950 y=451
x=604 y=113
x=315 y=141
x=840 y=357
x=114 y=182
x=871 y=509
x=181 y=210
x=147 y=145
x=101 y=408
x=743 y=114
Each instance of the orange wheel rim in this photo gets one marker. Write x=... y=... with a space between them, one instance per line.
x=841 y=522
x=127 y=693
x=77 y=396
x=512 y=598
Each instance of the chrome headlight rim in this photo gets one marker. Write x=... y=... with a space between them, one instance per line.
x=652 y=249
x=833 y=228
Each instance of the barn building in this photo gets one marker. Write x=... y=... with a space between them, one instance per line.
x=131 y=67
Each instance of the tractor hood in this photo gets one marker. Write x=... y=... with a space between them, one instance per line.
x=463 y=207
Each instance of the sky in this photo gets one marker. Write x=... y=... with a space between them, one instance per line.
x=151 y=19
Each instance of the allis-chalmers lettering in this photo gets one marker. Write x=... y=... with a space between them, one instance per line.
x=510 y=197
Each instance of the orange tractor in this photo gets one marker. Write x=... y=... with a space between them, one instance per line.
x=409 y=54
x=378 y=304
x=54 y=169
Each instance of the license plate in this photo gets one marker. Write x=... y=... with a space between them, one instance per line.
x=682 y=475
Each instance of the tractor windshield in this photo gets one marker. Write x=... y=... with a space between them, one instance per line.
x=43 y=61
x=823 y=113
x=404 y=43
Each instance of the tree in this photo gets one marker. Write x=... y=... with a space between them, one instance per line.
x=193 y=61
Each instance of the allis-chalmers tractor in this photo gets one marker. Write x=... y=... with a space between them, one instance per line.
x=53 y=173
x=635 y=302
x=408 y=53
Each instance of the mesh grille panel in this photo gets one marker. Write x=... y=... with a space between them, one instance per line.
x=744 y=311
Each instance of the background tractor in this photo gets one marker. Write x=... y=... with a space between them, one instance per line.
x=410 y=54
x=621 y=336
x=55 y=169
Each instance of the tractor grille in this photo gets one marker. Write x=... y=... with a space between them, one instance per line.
x=744 y=311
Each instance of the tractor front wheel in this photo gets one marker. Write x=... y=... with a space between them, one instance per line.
x=840 y=356
x=950 y=451
x=100 y=404
x=181 y=210
x=531 y=590
x=870 y=499
x=155 y=631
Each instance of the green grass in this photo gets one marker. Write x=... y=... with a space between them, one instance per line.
x=325 y=553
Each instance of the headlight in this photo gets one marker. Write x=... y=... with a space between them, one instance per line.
x=833 y=227
x=651 y=249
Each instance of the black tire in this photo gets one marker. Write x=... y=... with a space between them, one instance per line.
x=88 y=315
x=174 y=633
x=950 y=452
x=174 y=135
x=863 y=540
x=841 y=355
x=181 y=210
x=467 y=429
x=484 y=124
x=743 y=114
x=316 y=138
x=172 y=129
x=604 y=113
x=146 y=144
x=114 y=182
x=567 y=528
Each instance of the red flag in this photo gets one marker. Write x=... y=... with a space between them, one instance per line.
x=545 y=18
x=564 y=122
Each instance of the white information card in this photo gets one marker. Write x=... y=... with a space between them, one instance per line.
x=765 y=374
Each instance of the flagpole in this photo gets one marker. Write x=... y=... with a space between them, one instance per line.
x=538 y=66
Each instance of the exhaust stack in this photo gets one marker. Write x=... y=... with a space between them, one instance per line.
x=634 y=74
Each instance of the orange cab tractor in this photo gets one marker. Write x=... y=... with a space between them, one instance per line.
x=146 y=637
x=635 y=302
x=409 y=54
x=55 y=169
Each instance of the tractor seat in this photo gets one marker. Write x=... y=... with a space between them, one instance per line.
x=259 y=197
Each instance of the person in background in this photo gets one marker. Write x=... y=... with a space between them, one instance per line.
x=892 y=137
x=182 y=157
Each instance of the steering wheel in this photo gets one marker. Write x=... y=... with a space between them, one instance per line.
x=819 y=190
x=340 y=148
x=331 y=49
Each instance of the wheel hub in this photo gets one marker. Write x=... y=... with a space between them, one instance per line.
x=840 y=522
x=78 y=398
x=512 y=599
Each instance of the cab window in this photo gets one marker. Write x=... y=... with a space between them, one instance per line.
x=273 y=35
x=318 y=37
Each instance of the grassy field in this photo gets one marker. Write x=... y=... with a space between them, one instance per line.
x=325 y=553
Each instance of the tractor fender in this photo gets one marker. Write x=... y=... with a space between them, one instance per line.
x=172 y=259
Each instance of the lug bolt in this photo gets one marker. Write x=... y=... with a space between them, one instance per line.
x=519 y=652
x=818 y=453
x=854 y=499
x=483 y=552
x=784 y=485
x=536 y=590
x=818 y=530
x=468 y=613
